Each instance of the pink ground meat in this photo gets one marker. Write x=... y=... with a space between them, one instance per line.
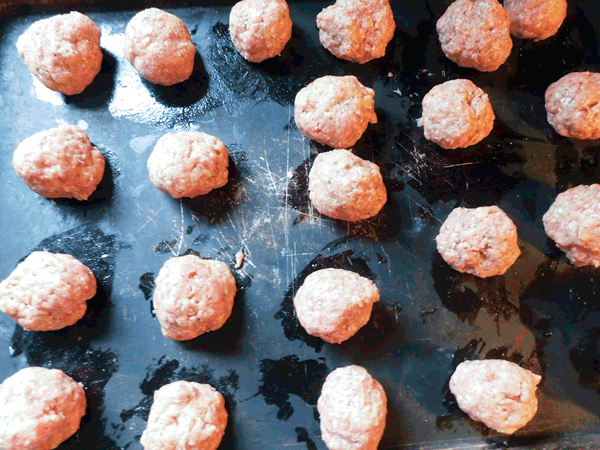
x=63 y=52
x=535 y=19
x=498 y=393
x=47 y=291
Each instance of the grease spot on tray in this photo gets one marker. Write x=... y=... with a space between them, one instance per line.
x=302 y=436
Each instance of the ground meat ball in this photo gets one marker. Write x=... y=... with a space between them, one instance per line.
x=356 y=30
x=344 y=186
x=457 y=114
x=475 y=33
x=60 y=162
x=335 y=111
x=573 y=105
x=334 y=304
x=481 y=241
x=193 y=296
x=352 y=408
x=535 y=19
x=39 y=409
x=498 y=393
x=63 y=52
x=47 y=291
x=573 y=222
x=260 y=29
x=188 y=164
x=159 y=46
x=185 y=415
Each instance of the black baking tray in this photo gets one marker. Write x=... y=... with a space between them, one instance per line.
x=543 y=313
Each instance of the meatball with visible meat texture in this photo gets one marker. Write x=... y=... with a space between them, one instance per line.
x=352 y=408
x=573 y=222
x=356 y=30
x=481 y=241
x=63 y=52
x=475 y=33
x=498 y=393
x=334 y=304
x=535 y=19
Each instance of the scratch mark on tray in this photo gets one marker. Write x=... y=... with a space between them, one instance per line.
x=150 y=218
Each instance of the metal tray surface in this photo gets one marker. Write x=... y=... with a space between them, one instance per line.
x=543 y=313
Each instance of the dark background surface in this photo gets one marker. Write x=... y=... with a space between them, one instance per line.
x=543 y=313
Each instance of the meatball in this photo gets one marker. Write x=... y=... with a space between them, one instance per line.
x=573 y=222
x=39 y=409
x=344 y=186
x=185 y=415
x=334 y=304
x=60 y=162
x=335 y=111
x=260 y=29
x=193 y=296
x=475 y=33
x=356 y=30
x=498 y=393
x=481 y=241
x=573 y=105
x=160 y=47
x=188 y=164
x=352 y=408
x=47 y=291
x=457 y=114
x=63 y=52
x=535 y=19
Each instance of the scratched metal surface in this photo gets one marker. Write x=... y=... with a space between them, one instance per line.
x=543 y=313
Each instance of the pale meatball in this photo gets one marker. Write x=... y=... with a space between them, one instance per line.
x=573 y=105
x=334 y=304
x=39 y=409
x=352 y=408
x=62 y=52
x=193 y=296
x=260 y=29
x=356 y=30
x=343 y=186
x=475 y=33
x=188 y=164
x=573 y=222
x=481 y=241
x=335 y=111
x=535 y=19
x=185 y=416
x=60 y=162
x=160 y=47
x=498 y=393
x=47 y=291
x=456 y=114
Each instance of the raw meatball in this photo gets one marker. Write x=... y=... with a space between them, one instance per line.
x=573 y=105
x=498 y=393
x=356 y=30
x=39 y=409
x=185 y=416
x=535 y=19
x=193 y=296
x=188 y=164
x=457 y=114
x=346 y=187
x=481 y=241
x=475 y=33
x=260 y=29
x=60 y=162
x=160 y=47
x=63 y=52
x=334 y=304
x=47 y=291
x=353 y=408
x=573 y=222
x=335 y=111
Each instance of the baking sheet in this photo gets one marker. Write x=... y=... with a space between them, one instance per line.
x=543 y=313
